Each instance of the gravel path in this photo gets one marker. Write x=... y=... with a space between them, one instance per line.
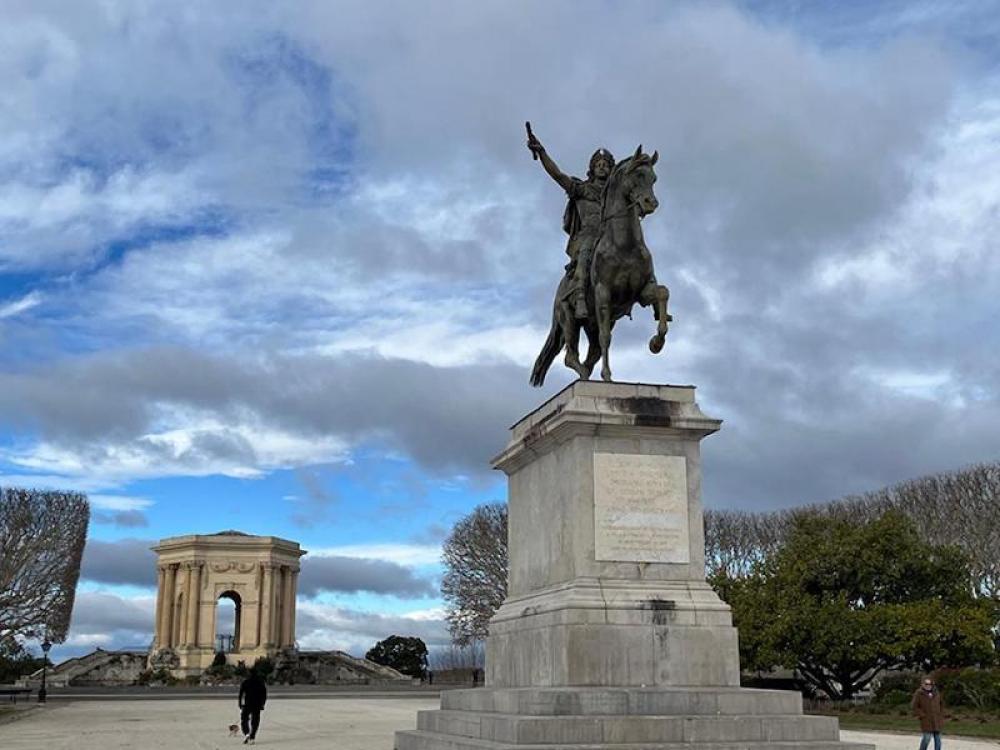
x=303 y=724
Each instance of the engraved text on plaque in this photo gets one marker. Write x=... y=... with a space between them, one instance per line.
x=640 y=508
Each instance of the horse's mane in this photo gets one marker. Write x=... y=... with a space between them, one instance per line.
x=621 y=169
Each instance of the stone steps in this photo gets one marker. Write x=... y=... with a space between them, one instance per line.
x=421 y=740
x=624 y=701
x=633 y=718
x=617 y=729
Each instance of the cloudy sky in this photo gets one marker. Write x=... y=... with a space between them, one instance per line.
x=284 y=267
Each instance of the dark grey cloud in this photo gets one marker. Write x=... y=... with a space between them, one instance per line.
x=433 y=534
x=126 y=561
x=806 y=421
x=351 y=575
x=445 y=418
x=126 y=519
x=96 y=613
x=130 y=561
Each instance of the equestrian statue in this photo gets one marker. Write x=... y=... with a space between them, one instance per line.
x=610 y=268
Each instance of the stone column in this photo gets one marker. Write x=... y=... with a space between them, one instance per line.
x=193 y=603
x=276 y=606
x=186 y=606
x=267 y=607
x=279 y=606
x=158 y=622
x=293 y=587
x=167 y=623
x=287 y=607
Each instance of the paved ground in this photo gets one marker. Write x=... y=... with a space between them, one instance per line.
x=344 y=723
x=891 y=741
x=364 y=723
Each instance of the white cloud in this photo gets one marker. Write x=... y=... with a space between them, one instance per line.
x=119 y=502
x=54 y=482
x=200 y=448
x=18 y=306
x=948 y=222
x=322 y=626
x=403 y=554
x=431 y=615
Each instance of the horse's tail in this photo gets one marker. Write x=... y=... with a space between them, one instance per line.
x=549 y=351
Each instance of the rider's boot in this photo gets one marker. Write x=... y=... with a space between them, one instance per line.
x=580 y=304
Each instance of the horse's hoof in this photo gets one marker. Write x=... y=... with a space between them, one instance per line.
x=606 y=376
x=656 y=344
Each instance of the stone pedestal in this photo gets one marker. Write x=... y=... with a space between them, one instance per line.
x=607 y=562
x=609 y=636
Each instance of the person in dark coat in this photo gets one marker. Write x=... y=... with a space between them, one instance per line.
x=927 y=707
x=253 y=696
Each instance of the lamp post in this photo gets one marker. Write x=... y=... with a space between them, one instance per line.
x=42 y=693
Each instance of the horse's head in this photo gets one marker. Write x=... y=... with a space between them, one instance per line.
x=637 y=181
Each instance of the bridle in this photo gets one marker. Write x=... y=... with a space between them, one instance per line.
x=629 y=206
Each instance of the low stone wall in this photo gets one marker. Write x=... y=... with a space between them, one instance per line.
x=100 y=667
x=330 y=667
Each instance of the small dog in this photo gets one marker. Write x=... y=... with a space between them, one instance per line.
x=234 y=730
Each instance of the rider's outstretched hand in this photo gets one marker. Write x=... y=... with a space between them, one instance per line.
x=534 y=145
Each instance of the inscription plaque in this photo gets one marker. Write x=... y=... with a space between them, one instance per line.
x=640 y=508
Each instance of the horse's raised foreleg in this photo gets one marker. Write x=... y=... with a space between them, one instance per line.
x=602 y=298
x=657 y=295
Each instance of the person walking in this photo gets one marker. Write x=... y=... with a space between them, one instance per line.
x=253 y=696
x=927 y=707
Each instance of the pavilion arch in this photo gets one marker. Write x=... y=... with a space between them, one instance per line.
x=258 y=573
x=237 y=600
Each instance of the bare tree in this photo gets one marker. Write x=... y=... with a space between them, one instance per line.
x=475 y=580
x=42 y=535
x=960 y=508
x=453 y=656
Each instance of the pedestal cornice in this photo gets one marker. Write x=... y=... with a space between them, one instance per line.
x=585 y=408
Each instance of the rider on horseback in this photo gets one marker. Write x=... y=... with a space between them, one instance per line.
x=611 y=268
x=582 y=219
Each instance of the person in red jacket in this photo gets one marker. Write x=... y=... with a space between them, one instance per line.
x=927 y=707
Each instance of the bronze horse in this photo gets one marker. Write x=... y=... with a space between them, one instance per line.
x=621 y=274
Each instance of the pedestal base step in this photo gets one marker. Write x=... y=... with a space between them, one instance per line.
x=417 y=740
x=622 y=719
x=657 y=701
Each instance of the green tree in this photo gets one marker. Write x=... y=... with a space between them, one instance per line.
x=264 y=667
x=842 y=600
x=15 y=662
x=406 y=655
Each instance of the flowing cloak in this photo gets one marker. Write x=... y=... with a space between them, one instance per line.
x=582 y=226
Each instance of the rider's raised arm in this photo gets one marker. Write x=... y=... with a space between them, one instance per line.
x=564 y=181
x=536 y=147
